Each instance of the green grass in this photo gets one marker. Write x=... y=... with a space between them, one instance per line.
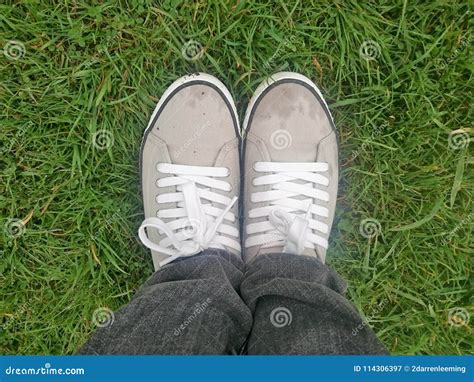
x=91 y=68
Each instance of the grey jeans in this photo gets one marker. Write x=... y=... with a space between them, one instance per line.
x=212 y=303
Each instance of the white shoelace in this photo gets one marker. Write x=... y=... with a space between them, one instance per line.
x=289 y=217
x=205 y=220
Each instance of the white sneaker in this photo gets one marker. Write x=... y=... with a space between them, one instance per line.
x=190 y=171
x=290 y=168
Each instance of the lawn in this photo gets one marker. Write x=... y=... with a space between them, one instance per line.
x=79 y=80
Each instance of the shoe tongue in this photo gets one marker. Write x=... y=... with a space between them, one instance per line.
x=276 y=249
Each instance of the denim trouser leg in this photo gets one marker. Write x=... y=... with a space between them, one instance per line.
x=190 y=306
x=204 y=305
x=299 y=307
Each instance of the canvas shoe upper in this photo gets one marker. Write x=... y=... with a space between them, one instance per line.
x=290 y=168
x=190 y=171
